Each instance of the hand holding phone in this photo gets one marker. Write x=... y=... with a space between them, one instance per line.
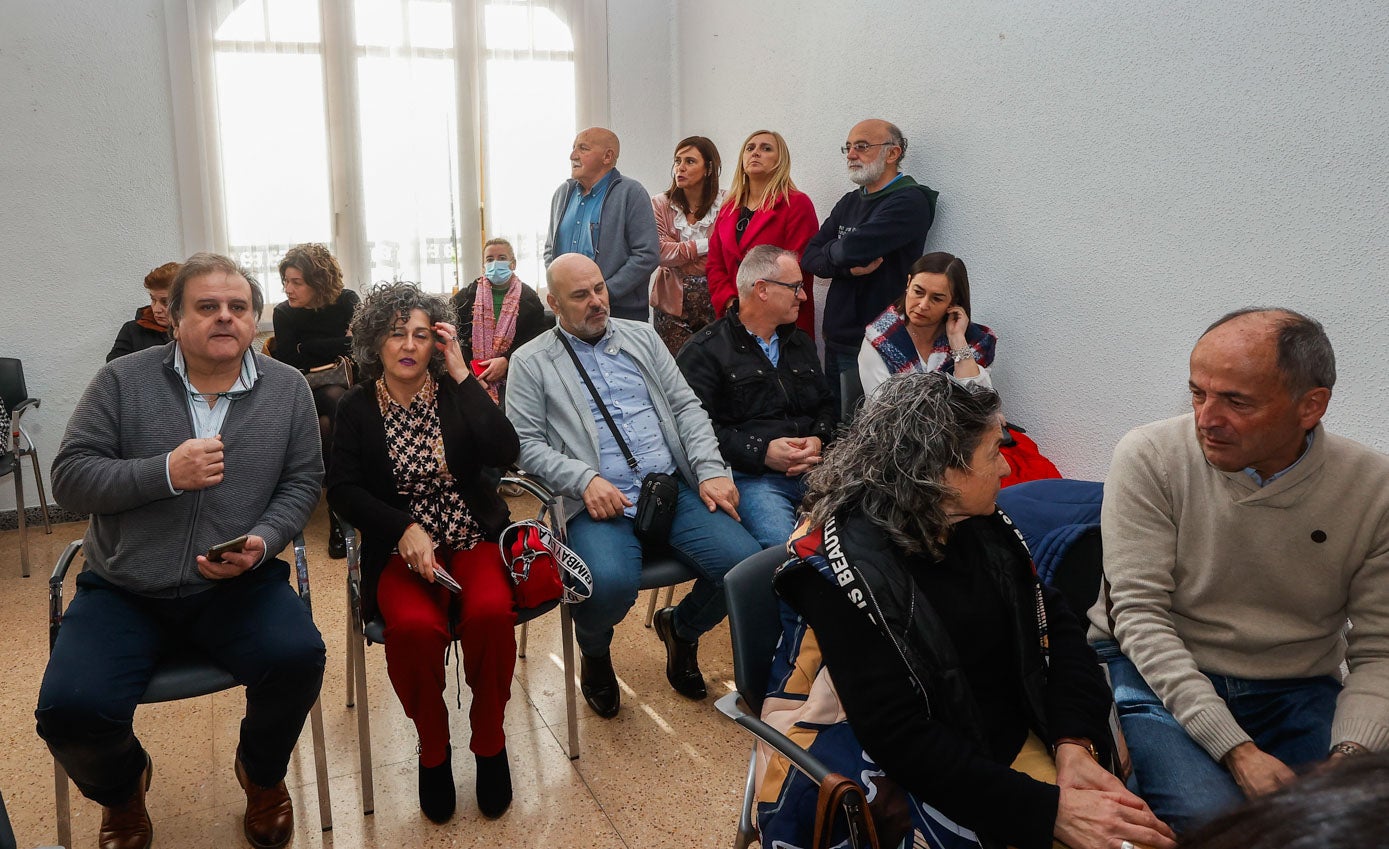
x=215 y=553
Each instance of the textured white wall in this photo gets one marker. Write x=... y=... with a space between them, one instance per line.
x=641 y=58
x=87 y=191
x=1115 y=175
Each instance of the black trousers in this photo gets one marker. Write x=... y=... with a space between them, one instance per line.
x=253 y=625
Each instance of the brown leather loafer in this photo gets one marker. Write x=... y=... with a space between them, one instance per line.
x=269 y=822
x=127 y=826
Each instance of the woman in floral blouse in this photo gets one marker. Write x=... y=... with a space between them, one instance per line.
x=407 y=469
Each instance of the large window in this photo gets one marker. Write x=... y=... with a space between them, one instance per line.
x=361 y=124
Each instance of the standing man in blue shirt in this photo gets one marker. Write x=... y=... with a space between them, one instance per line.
x=606 y=217
x=566 y=443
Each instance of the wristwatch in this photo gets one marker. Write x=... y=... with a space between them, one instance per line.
x=1079 y=741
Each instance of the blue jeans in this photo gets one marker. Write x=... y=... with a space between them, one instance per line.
x=768 y=505
x=253 y=625
x=709 y=543
x=1289 y=718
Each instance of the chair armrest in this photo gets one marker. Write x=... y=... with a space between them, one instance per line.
x=55 y=590
x=802 y=760
x=551 y=503
x=301 y=572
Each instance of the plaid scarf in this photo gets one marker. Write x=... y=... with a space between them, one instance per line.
x=889 y=337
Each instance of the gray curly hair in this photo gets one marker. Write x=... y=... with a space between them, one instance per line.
x=890 y=463
x=385 y=306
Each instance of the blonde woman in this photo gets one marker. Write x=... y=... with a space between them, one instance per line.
x=763 y=207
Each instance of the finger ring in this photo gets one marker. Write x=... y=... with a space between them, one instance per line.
x=411 y=567
x=1126 y=845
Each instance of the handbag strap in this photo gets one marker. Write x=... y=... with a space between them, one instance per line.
x=839 y=793
x=602 y=408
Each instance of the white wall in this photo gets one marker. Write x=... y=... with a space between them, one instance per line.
x=87 y=191
x=1115 y=175
x=641 y=93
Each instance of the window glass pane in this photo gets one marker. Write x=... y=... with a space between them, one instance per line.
x=245 y=22
x=409 y=169
x=274 y=156
x=379 y=23
x=431 y=23
x=293 y=20
x=524 y=27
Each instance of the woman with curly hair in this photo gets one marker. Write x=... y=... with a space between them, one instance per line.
x=150 y=326
x=965 y=692
x=311 y=331
x=407 y=470
x=763 y=207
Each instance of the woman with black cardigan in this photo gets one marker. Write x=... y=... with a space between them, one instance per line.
x=407 y=470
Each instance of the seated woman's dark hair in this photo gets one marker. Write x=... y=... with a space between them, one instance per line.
x=385 y=306
x=891 y=461
x=955 y=272
x=1345 y=807
x=320 y=269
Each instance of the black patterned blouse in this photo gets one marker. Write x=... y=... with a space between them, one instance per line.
x=416 y=446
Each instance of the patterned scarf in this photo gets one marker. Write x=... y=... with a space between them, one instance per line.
x=889 y=337
x=493 y=335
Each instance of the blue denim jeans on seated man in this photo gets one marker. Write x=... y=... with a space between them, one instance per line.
x=1289 y=718
x=768 y=505
x=709 y=543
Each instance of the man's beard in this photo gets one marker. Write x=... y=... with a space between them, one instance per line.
x=869 y=172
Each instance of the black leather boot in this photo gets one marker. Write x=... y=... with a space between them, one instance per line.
x=682 y=657
x=493 y=784
x=598 y=683
x=437 y=795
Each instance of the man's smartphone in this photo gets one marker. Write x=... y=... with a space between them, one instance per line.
x=215 y=553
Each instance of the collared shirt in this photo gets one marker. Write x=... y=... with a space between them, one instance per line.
x=622 y=386
x=1263 y=482
x=864 y=190
x=208 y=420
x=772 y=349
x=578 y=227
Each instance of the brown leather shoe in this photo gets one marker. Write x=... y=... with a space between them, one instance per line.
x=269 y=822
x=128 y=826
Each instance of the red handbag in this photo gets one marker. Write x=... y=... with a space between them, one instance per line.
x=541 y=567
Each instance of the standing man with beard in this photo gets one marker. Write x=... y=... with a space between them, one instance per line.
x=567 y=442
x=868 y=242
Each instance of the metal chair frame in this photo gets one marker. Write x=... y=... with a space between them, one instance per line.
x=186 y=676
x=15 y=445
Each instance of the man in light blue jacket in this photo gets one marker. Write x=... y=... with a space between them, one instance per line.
x=566 y=442
x=606 y=217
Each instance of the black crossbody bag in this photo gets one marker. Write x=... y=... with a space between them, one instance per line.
x=656 y=502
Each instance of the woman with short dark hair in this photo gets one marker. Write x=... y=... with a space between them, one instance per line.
x=685 y=215
x=921 y=655
x=407 y=470
x=506 y=316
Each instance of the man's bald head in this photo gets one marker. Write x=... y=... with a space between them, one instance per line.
x=578 y=295
x=593 y=156
x=1301 y=350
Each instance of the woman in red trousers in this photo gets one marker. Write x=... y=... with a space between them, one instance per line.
x=408 y=459
x=763 y=207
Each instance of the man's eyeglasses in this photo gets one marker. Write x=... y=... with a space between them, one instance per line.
x=794 y=287
x=862 y=147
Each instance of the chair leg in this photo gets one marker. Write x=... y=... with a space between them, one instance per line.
x=746 y=833
x=64 y=809
x=320 y=760
x=571 y=708
x=353 y=633
x=651 y=607
x=19 y=516
x=358 y=648
x=670 y=596
x=43 y=499
x=521 y=643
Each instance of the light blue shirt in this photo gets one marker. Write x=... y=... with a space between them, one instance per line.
x=208 y=420
x=772 y=349
x=622 y=387
x=578 y=227
x=1263 y=482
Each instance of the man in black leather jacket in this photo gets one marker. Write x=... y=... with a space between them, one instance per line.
x=759 y=379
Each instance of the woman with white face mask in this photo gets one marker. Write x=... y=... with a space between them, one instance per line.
x=497 y=314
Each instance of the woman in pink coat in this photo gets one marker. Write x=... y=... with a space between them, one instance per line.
x=763 y=207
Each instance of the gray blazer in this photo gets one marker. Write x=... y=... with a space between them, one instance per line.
x=547 y=403
x=627 y=250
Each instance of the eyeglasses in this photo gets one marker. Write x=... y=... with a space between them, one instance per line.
x=862 y=147
x=794 y=287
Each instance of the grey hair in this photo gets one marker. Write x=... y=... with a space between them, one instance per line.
x=203 y=263
x=890 y=463
x=385 y=306
x=895 y=136
x=760 y=264
x=1305 y=357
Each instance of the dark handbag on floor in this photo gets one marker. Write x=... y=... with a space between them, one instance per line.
x=656 y=503
x=336 y=373
x=840 y=796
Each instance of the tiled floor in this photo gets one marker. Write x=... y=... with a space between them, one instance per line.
x=667 y=772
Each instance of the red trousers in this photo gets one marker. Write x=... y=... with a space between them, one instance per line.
x=417 y=615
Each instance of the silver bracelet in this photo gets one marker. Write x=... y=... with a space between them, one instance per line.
x=1348 y=749
x=965 y=353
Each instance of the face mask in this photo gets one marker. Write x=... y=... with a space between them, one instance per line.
x=498 y=272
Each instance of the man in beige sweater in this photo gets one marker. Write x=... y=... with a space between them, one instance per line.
x=1238 y=541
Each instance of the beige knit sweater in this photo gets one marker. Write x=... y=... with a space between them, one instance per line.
x=1209 y=572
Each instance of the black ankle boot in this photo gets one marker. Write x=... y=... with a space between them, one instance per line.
x=598 y=683
x=682 y=657
x=493 y=784
x=437 y=796
x=337 y=546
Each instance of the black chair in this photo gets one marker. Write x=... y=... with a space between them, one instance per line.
x=15 y=444
x=185 y=675
x=850 y=394
x=361 y=634
x=754 y=622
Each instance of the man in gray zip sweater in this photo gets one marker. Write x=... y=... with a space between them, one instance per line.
x=173 y=450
